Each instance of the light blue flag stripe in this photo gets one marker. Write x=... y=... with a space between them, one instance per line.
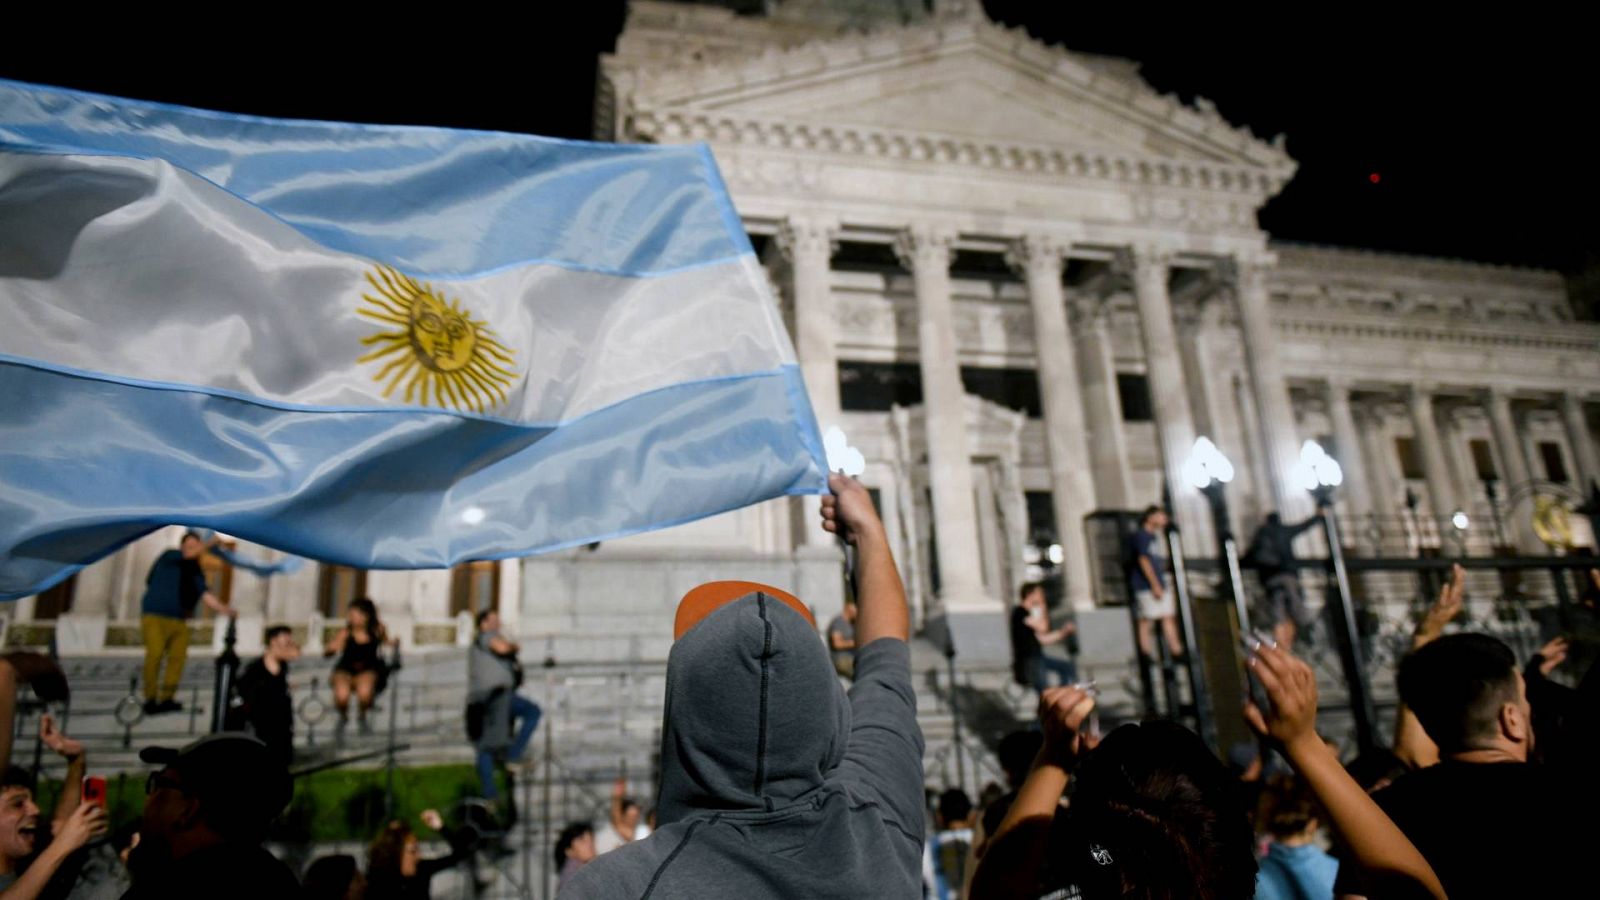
x=377 y=490
x=434 y=202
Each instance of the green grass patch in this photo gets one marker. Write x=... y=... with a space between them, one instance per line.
x=336 y=805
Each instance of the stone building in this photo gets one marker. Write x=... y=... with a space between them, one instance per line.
x=1023 y=282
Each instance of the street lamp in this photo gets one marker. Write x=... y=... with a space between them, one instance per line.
x=1319 y=474
x=1208 y=471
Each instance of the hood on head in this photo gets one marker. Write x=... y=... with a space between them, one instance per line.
x=754 y=716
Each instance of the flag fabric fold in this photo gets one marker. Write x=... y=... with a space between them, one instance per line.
x=385 y=347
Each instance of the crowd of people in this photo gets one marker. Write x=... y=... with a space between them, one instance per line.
x=791 y=766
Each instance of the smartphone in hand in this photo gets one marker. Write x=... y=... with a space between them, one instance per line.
x=94 y=790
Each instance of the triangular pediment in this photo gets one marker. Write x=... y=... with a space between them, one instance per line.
x=972 y=80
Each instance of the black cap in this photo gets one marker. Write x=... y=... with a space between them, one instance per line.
x=241 y=784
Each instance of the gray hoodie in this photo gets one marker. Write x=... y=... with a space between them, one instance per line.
x=774 y=782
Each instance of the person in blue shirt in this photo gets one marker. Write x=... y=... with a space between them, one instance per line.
x=1151 y=593
x=1294 y=867
x=174 y=587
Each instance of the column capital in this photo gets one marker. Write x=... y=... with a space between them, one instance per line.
x=800 y=236
x=925 y=245
x=1572 y=401
x=1036 y=250
x=1143 y=263
x=1338 y=384
x=1086 y=309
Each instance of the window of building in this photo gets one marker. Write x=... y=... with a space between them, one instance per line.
x=1410 y=459
x=1041 y=517
x=1016 y=389
x=863 y=256
x=337 y=586
x=877 y=387
x=1555 y=467
x=1483 y=460
x=475 y=587
x=1134 y=389
x=50 y=604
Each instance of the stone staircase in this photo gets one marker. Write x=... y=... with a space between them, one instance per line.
x=601 y=720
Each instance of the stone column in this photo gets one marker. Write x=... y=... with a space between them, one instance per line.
x=1379 y=460
x=1267 y=382
x=1168 y=396
x=807 y=244
x=1441 y=497
x=1071 y=485
x=926 y=252
x=1102 y=405
x=1357 y=486
x=1583 y=451
x=1504 y=424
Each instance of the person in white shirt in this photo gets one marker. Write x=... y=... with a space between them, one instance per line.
x=626 y=823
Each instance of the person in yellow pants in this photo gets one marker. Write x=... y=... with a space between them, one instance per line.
x=174 y=587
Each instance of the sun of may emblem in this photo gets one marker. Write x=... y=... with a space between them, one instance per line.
x=442 y=355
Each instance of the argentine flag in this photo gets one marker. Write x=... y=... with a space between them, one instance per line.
x=383 y=347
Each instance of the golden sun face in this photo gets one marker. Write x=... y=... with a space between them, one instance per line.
x=442 y=355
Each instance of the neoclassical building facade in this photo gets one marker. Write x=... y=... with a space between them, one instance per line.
x=1023 y=283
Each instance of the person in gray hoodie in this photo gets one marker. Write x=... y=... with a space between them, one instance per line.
x=775 y=783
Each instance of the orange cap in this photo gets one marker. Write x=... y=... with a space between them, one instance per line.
x=713 y=595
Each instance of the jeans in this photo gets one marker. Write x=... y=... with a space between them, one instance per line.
x=1065 y=669
x=528 y=712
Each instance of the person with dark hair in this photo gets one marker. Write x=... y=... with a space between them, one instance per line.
x=1147 y=576
x=74 y=824
x=1481 y=816
x=574 y=849
x=334 y=877
x=623 y=826
x=206 y=813
x=949 y=848
x=1030 y=631
x=265 y=707
x=1271 y=554
x=775 y=782
x=503 y=718
x=1155 y=815
x=174 y=586
x=360 y=667
x=1294 y=866
x=395 y=867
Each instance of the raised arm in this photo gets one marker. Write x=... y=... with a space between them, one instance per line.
x=72 y=784
x=1376 y=844
x=848 y=512
x=1411 y=744
x=1010 y=867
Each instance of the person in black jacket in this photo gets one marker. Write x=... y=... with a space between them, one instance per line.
x=1271 y=554
x=265 y=707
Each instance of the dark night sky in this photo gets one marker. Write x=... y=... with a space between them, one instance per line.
x=1477 y=126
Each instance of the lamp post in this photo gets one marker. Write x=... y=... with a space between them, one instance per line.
x=1319 y=474
x=1209 y=471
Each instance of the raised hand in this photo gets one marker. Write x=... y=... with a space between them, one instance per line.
x=1292 y=689
x=88 y=821
x=1447 y=607
x=1552 y=655
x=56 y=740
x=432 y=819
x=848 y=510
x=1062 y=713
